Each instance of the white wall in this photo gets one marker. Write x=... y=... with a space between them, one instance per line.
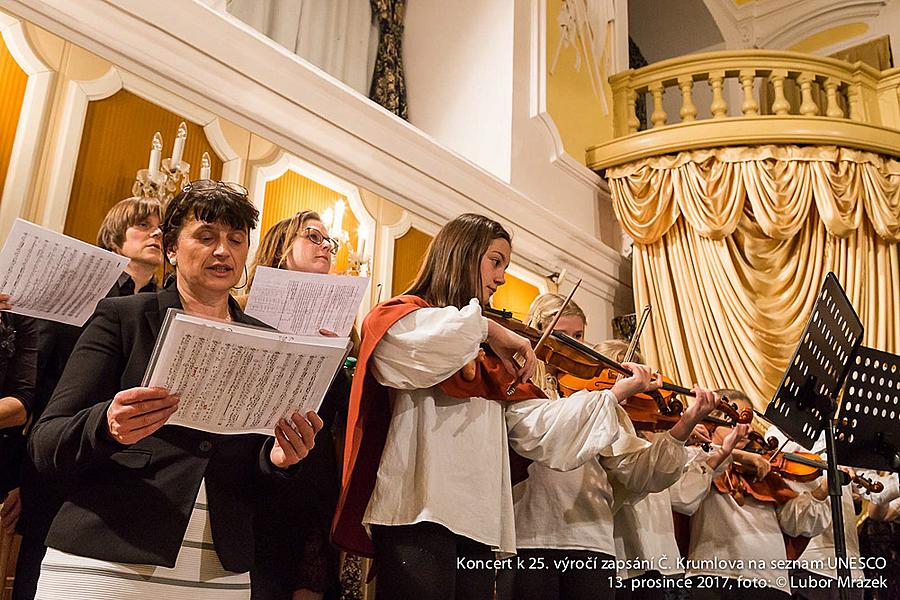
x=458 y=59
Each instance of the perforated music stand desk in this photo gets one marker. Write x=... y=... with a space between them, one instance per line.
x=867 y=433
x=805 y=402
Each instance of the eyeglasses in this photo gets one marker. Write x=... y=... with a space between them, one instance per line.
x=316 y=237
x=206 y=185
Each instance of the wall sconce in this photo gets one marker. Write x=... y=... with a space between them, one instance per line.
x=164 y=178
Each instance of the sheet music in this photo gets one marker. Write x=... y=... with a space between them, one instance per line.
x=303 y=303
x=234 y=378
x=52 y=276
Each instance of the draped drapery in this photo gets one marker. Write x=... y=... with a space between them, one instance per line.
x=388 y=81
x=732 y=246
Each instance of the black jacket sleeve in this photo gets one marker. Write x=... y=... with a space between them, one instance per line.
x=71 y=433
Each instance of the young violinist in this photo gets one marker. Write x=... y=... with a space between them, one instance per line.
x=738 y=538
x=564 y=520
x=427 y=468
x=816 y=581
x=644 y=529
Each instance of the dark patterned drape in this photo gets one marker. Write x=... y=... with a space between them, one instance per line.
x=388 y=84
x=636 y=60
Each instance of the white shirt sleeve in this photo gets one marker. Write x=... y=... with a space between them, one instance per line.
x=695 y=482
x=804 y=515
x=650 y=469
x=563 y=434
x=427 y=346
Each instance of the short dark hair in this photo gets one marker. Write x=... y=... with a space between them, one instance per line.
x=221 y=204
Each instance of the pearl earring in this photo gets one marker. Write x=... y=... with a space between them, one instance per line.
x=172 y=260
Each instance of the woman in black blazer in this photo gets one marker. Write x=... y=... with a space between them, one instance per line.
x=156 y=508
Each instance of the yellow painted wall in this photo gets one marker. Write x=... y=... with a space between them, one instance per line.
x=571 y=102
x=830 y=37
x=292 y=193
x=115 y=144
x=409 y=252
x=515 y=296
x=12 y=91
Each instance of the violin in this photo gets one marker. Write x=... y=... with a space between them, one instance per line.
x=553 y=352
x=807 y=466
x=656 y=411
x=795 y=466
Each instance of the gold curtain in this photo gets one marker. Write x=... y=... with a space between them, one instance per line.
x=875 y=53
x=409 y=252
x=732 y=246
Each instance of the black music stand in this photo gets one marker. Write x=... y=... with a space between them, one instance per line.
x=867 y=433
x=805 y=402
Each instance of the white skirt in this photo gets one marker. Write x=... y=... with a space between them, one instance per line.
x=197 y=574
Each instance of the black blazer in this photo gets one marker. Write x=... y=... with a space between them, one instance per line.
x=56 y=341
x=132 y=503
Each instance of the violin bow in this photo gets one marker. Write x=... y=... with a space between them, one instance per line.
x=638 y=330
x=553 y=323
x=512 y=388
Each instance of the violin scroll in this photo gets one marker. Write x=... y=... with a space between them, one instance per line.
x=873 y=487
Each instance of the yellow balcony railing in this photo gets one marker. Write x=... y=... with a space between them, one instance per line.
x=751 y=97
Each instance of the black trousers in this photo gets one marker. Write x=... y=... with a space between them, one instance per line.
x=548 y=574
x=427 y=561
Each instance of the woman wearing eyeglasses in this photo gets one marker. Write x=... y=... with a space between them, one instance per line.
x=294 y=557
x=159 y=512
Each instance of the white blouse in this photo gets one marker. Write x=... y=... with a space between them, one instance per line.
x=726 y=537
x=820 y=550
x=819 y=553
x=446 y=460
x=574 y=509
x=645 y=530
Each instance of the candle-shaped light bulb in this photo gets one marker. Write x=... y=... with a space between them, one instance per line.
x=155 y=155
x=178 y=148
x=338 y=225
x=328 y=219
x=362 y=242
x=204 y=166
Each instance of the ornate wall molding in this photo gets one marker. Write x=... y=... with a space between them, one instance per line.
x=32 y=127
x=79 y=93
x=249 y=80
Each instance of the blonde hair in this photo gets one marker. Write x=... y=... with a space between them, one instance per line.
x=616 y=349
x=450 y=274
x=123 y=215
x=276 y=244
x=540 y=315
x=544 y=308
